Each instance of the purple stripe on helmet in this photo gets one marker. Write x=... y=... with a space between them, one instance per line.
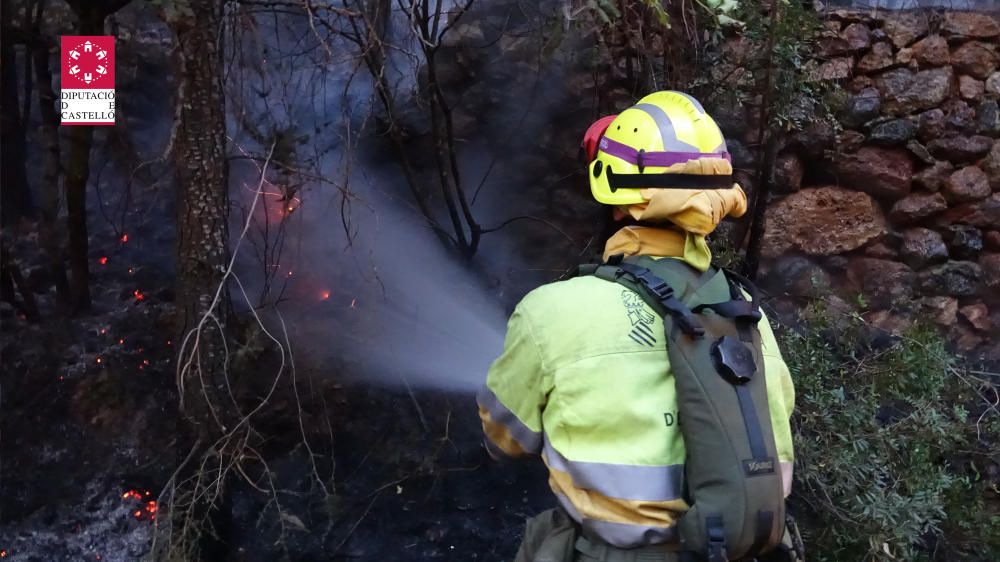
x=654 y=159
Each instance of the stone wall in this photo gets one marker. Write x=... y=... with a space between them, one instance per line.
x=899 y=214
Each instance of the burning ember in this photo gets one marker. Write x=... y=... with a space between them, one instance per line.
x=145 y=508
x=138 y=295
x=325 y=295
x=3 y=554
x=99 y=360
x=103 y=260
x=124 y=238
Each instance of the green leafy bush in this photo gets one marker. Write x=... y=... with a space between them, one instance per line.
x=890 y=442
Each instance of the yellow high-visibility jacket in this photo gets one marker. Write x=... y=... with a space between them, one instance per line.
x=584 y=380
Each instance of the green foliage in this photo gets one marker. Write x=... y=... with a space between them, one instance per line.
x=605 y=10
x=793 y=95
x=861 y=301
x=659 y=11
x=724 y=253
x=609 y=11
x=776 y=62
x=888 y=454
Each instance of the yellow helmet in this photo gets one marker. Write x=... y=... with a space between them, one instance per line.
x=666 y=140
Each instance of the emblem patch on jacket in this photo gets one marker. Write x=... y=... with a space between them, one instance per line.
x=641 y=320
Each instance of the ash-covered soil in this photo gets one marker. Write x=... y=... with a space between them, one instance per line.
x=90 y=429
x=412 y=482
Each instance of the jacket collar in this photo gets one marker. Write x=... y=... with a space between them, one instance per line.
x=660 y=242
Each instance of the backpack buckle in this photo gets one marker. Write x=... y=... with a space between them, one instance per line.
x=659 y=288
x=652 y=283
x=716 y=547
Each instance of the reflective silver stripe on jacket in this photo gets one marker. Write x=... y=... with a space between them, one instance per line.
x=530 y=441
x=622 y=535
x=621 y=481
x=786 y=476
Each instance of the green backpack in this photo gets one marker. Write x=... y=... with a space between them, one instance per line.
x=733 y=479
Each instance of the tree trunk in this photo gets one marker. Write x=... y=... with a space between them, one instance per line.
x=15 y=197
x=758 y=210
x=91 y=15
x=767 y=146
x=81 y=139
x=200 y=170
x=11 y=281
x=201 y=175
x=49 y=235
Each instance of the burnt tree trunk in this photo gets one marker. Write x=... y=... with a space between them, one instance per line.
x=15 y=197
x=81 y=140
x=201 y=176
x=201 y=173
x=11 y=282
x=91 y=15
x=49 y=235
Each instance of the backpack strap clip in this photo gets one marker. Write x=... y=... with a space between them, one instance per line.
x=716 y=540
x=664 y=293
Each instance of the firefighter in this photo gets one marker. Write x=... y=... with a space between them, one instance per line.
x=585 y=379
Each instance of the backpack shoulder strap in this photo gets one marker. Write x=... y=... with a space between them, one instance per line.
x=662 y=295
